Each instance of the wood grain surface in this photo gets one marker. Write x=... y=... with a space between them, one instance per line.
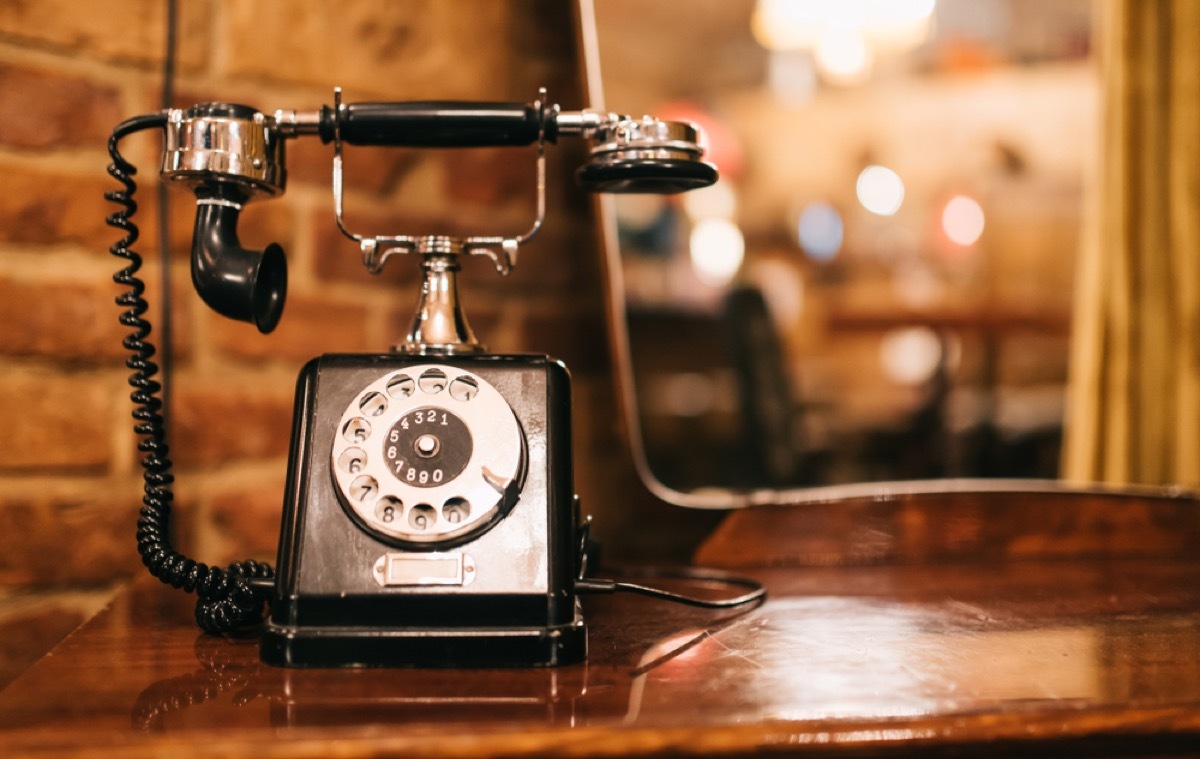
x=996 y=652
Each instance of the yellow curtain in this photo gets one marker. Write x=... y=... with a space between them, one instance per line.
x=1134 y=394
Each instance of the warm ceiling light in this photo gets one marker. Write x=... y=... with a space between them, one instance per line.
x=788 y=24
x=843 y=56
x=851 y=32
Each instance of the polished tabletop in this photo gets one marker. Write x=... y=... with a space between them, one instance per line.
x=1080 y=656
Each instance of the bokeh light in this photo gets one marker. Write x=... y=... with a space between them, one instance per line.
x=788 y=24
x=798 y=24
x=717 y=248
x=910 y=356
x=880 y=190
x=820 y=231
x=963 y=220
x=843 y=56
x=792 y=76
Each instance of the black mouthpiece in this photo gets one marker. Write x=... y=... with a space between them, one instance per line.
x=236 y=282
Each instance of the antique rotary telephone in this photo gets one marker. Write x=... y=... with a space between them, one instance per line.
x=430 y=515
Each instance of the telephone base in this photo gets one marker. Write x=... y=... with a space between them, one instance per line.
x=299 y=646
x=357 y=587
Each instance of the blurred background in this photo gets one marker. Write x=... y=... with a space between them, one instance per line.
x=880 y=286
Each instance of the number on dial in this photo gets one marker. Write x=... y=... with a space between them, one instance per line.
x=427 y=447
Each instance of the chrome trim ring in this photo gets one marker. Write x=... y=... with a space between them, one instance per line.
x=248 y=150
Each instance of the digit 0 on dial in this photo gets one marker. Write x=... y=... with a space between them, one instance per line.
x=428 y=454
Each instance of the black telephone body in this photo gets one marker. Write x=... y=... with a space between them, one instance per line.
x=429 y=517
x=462 y=542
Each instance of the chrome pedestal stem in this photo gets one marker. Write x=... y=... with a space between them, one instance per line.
x=439 y=326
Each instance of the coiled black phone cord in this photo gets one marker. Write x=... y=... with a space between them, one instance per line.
x=226 y=597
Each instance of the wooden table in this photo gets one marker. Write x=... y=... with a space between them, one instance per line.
x=994 y=653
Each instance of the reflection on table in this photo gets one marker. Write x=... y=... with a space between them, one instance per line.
x=977 y=623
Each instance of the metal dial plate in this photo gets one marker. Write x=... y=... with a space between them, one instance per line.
x=427 y=454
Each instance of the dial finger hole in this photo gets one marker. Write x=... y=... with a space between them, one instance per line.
x=373 y=404
x=389 y=509
x=422 y=517
x=356 y=430
x=432 y=381
x=401 y=386
x=464 y=389
x=364 y=488
x=456 y=510
x=352 y=460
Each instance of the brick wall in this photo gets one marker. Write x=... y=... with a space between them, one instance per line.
x=69 y=71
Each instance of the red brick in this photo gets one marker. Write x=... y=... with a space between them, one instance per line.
x=565 y=194
x=564 y=254
x=251 y=94
x=61 y=320
x=365 y=169
x=309 y=327
x=131 y=31
x=558 y=260
x=401 y=50
x=263 y=222
x=45 y=109
x=339 y=259
x=182 y=205
x=57 y=540
x=249 y=520
x=54 y=421
x=492 y=176
x=43 y=207
x=228 y=419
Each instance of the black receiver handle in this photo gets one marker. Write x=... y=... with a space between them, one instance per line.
x=438 y=124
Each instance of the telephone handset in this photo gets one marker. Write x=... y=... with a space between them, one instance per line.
x=430 y=515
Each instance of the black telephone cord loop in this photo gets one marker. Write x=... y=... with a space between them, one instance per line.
x=227 y=597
